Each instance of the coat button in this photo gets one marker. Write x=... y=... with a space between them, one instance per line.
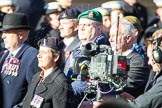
x=8 y=82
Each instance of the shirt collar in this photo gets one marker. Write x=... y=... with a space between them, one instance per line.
x=41 y=75
x=68 y=41
x=127 y=52
x=17 y=50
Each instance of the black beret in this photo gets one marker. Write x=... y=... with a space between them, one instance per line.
x=51 y=42
x=69 y=14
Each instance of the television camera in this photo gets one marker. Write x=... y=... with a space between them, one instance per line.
x=99 y=65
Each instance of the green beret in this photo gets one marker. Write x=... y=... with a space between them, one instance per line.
x=135 y=21
x=92 y=15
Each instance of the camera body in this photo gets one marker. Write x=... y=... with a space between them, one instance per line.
x=99 y=62
x=104 y=71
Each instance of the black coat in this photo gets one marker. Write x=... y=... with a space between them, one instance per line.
x=54 y=90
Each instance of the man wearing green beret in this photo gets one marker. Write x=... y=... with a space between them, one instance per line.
x=90 y=27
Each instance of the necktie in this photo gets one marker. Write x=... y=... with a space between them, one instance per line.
x=6 y=62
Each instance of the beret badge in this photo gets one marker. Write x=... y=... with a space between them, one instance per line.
x=90 y=15
x=64 y=15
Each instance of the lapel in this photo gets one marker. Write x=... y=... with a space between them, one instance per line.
x=33 y=85
x=1 y=63
x=152 y=80
x=3 y=58
x=48 y=80
x=130 y=55
x=21 y=51
x=18 y=55
x=73 y=44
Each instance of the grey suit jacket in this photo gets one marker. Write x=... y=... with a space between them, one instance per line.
x=137 y=75
x=152 y=98
x=72 y=46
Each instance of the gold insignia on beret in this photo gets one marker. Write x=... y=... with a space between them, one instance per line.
x=64 y=15
x=90 y=15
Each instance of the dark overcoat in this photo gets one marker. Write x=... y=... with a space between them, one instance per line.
x=14 y=88
x=55 y=92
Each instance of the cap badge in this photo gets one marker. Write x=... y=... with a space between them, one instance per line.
x=64 y=15
x=90 y=15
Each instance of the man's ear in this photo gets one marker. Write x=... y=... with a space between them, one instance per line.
x=76 y=27
x=128 y=38
x=136 y=33
x=57 y=56
x=20 y=34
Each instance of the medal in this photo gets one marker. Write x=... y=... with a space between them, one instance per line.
x=15 y=74
x=9 y=72
x=37 y=101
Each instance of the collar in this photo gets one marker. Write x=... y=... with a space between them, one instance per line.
x=17 y=50
x=51 y=76
x=68 y=41
x=127 y=52
x=43 y=74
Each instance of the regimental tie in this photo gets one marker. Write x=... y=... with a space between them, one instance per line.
x=6 y=63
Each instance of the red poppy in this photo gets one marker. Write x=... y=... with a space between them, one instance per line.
x=67 y=54
x=15 y=60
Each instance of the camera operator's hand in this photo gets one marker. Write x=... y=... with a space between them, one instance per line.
x=128 y=97
x=88 y=104
x=96 y=104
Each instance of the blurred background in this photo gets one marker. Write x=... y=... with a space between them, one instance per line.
x=89 y=4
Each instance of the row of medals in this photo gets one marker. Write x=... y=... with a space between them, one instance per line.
x=12 y=70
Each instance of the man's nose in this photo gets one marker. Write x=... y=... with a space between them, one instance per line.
x=3 y=35
x=82 y=27
x=111 y=39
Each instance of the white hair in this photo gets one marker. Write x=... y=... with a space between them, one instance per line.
x=127 y=28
